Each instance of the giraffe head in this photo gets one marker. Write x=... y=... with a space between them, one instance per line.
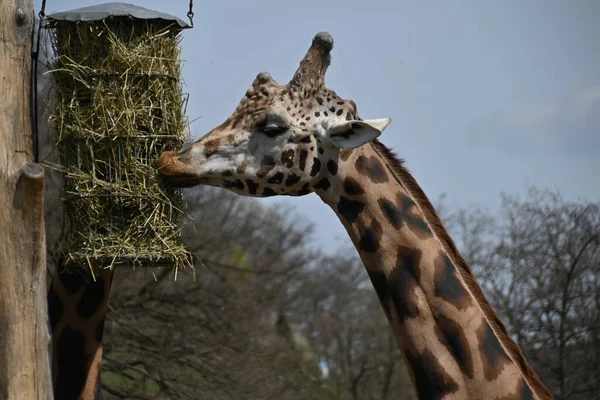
x=281 y=139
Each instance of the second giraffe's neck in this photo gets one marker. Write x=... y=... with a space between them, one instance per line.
x=77 y=307
x=452 y=341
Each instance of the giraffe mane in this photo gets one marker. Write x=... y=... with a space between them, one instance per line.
x=405 y=178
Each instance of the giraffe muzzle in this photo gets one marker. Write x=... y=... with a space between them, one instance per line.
x=175 y=172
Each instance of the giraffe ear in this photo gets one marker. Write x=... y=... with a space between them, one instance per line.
x=355 y=133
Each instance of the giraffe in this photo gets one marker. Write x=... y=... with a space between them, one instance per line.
x=77 y=307
x=301 y=137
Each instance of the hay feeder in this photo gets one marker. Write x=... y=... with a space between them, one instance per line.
x=119 y=103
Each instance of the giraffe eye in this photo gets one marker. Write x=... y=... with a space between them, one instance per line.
x=274 y=130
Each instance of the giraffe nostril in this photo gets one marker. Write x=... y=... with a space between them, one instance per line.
x=184 y=150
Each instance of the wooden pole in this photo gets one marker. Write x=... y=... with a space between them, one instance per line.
x=24 y=337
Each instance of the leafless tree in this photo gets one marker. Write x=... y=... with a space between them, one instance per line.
x=212 y=333
x=347 y=327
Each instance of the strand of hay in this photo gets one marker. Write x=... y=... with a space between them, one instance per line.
x=119 y=105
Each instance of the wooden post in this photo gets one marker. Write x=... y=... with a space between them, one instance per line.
x=24 y=337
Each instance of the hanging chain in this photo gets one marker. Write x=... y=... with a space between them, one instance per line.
x=35 y=52
x=42 y=13
x=190 y=13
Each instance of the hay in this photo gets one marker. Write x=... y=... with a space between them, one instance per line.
x=119 y=105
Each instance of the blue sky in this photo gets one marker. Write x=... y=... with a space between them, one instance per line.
x=485 y=96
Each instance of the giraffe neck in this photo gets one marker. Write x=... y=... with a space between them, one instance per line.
x=452 y=341
x=77 y=306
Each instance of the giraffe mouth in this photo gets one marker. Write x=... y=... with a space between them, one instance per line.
x=176 y=173
x=182 y=181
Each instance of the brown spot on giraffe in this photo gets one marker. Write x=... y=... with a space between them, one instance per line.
x=349 y=209
x=268 y=192
x=412 y=217
x=304 y=190
x=234 y=184
x=404 y=281
x=447 y=284
x=493 y=356
x=410 y=258
x=287 y=158
x=352 y=187
x=211 y=147
x=370 y=237
x=323 y=184
x=316 y=167
x=332 y=167
x=292 y=179
x=391 y=212
x=252 y=186
x=372 y=168
x=431 y=381
x=276 y=179
x=451 y=334
x=302 y=161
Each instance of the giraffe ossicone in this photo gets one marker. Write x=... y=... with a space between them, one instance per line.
x=324 y=40
x=302 y=137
